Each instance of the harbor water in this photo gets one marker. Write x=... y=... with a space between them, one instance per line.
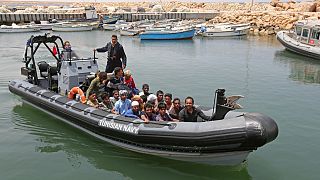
x=280 y=84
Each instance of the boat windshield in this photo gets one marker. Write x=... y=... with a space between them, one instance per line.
x=315 y=34
x=298 y=30
x=305 y=33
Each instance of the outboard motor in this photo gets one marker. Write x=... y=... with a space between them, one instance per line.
x=222 y=105
x=220 y=109
x=221 y=99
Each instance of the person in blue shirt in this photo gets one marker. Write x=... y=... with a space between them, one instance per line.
x=134 y=112
x=123 y=104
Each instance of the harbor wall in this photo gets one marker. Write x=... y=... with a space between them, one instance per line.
x=12 y=17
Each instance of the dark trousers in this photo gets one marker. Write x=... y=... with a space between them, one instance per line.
x=113 y=64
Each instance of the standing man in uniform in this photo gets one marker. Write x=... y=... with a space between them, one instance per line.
x=115 y=53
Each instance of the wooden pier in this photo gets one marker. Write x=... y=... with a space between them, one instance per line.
x=6 y=18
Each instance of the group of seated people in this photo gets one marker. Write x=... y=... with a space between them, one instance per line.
x=117 y=93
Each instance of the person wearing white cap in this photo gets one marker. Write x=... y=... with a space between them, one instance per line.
x=123 y=104
x=134 y=112
x=152 y=100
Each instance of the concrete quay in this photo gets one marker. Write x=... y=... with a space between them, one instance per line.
x=7 y=18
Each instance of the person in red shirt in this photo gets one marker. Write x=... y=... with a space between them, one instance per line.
x=128 y=80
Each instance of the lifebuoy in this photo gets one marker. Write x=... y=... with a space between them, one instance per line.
x=77 y=90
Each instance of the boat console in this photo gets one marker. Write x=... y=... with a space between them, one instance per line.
x=69 y=70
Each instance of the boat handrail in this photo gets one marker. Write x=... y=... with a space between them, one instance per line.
x=79 y=59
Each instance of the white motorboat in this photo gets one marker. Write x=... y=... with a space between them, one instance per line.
x=224 y=30
x=69 y=27
x=110 y=19
x=109 y=27
x=45 y=25
x=130 y=31
x=14 y=28
x=117 y=26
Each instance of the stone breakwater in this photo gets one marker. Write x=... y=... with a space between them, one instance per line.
x=265 y=23
x=265 y=18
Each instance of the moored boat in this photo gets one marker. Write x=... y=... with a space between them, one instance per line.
x=130 y=31
x=304 y=40
x=109 y=27
x=117 y=26
x=69 y=27
x=167 y=34
x=110 y=19
x=225 y=141
x=225 y=30
x=45 y=25
x=14 y=28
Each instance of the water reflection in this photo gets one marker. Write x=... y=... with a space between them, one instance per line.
x=303 y=69
x=56 y=136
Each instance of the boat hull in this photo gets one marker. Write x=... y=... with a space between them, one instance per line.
x=45 y=26
x=225 y=34
x=224 y=158
x=216 y=142
x=294 y=46
x=163 y=35
x=129 y=32
x=71 y=29
x=19 y=30
x=110 y=21
x=109 y=27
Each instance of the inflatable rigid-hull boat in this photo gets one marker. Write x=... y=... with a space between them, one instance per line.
x=291 y=43
x=221 y=142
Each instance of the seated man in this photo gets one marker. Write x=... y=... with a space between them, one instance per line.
x=139 y=100
x=145 y=91
x=175 y=108
x=168 y=100
x=163 y=115
x=148 y=114
x=190 y=113
x=96 y=84
x=159 y=97
x=92 y=100
x=123 y=104
x=128 y=80
x=116 y=80
x=106 y=104
x=152 y=100
x=115 y=97
x=134 y=112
